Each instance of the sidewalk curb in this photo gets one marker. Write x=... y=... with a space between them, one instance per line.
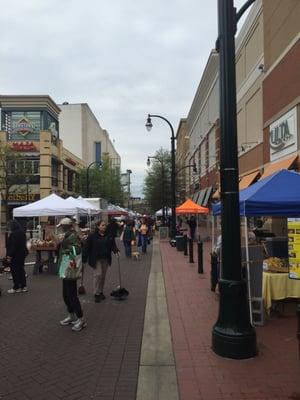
x=157 y=373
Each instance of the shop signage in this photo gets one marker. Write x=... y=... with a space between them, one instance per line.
x=22 y=197
x=283 y=135
x=23 y=126
x=22 y=146
x=70 y=161
x=294 y=247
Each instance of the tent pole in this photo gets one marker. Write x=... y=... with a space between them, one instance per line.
x=248 y=268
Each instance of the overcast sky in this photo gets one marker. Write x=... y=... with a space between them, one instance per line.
x=125 y=58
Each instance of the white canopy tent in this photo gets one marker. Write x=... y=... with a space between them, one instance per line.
x=51 y=205
x=159 y=213
x=83 y=205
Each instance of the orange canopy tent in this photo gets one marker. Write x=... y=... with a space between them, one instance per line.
x=189 y=207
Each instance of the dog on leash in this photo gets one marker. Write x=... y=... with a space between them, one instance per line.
x=136 y=255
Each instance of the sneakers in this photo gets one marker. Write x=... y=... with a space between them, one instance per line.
x=24 y=289
x=79 y=325
x=99 y=297
x=12 y=291
x=102 y=297
x=70 y=319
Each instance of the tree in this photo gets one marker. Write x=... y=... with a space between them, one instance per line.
x=13 y=170
x=157 y=183
x=104 y=181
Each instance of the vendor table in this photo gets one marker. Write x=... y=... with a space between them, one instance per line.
x=278 y=286
x=38 y=266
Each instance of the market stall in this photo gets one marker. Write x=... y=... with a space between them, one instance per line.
x=54 y=206
x=278 y=195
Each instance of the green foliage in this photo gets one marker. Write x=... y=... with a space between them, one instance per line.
x=104 y=181
x=157 y=183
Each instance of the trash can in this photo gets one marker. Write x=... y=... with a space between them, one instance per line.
x=179 y=243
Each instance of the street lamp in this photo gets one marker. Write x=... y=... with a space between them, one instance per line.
x=128 y=183
x=162 y=184
x=173 y=189
x=27 y=180
x=88 y=176
x=233 y=336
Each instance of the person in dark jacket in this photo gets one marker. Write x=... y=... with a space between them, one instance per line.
x=97 y=252
x=193 y=225
x=16 y=252
x=128 y=237
x=112 y=228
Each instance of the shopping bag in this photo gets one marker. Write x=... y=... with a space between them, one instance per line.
x=70 y=266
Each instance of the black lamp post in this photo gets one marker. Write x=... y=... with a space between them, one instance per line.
x=88 y=176
x=129 y=172
x=233 y=335
x=162 y=184
x=173 y=189
x=27 y=180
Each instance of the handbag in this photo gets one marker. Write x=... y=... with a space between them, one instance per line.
x=70 y=266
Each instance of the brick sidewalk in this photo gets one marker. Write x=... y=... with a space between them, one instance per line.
x=40 y=360
x=273 y=374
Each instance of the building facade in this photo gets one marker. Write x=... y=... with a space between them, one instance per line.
x=36 y=163
x=83 y=136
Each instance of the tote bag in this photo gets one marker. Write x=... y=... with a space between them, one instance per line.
x=70 y=266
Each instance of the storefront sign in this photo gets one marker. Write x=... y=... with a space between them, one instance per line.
x=283 y=135
x=70 y=161
x=22 y=197
x=23 y=127
x=294 y=247
x=22 y=146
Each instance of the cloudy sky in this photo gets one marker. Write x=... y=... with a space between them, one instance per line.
x=125 y=58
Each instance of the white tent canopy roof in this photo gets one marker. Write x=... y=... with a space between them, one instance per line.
x=159 y=213
x=51 y=205
x=83 y=204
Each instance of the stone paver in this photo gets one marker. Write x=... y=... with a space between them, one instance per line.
x=39 y=359
x=202 y=375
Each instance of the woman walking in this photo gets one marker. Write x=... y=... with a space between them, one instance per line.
x=16 y=253
x=97 y=252
x=128 y=236
x=70 y=243
x=144 y=235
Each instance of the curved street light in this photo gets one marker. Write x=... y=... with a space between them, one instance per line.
x=233 y=335
x=173 y=189
x=88 y=176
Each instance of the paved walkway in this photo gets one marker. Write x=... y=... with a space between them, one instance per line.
x=40 y=360
x=202 y=375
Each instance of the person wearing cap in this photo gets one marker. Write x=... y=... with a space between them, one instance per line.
x=97 y=252
x=70 y=296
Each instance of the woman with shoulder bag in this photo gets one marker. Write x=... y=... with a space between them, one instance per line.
x=97 y=252
x=69 y=248
x=128 y=237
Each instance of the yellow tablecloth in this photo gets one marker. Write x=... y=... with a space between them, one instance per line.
x=278 y=286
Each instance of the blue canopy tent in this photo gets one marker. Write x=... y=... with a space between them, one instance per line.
x=275 y=195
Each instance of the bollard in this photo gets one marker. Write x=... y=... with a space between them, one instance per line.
x=213 y=271
x=298 y=333
x=200 y=257
x=185 y=249
x=191 y=251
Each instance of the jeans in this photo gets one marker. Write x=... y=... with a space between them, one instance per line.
x=71 y=298
x=144 y=240
x=127 y=245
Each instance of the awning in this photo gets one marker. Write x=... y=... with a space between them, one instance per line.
x=207 y=196
x=201 y=196
x=283 y=164
x=247 y=180
x=195 y=196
